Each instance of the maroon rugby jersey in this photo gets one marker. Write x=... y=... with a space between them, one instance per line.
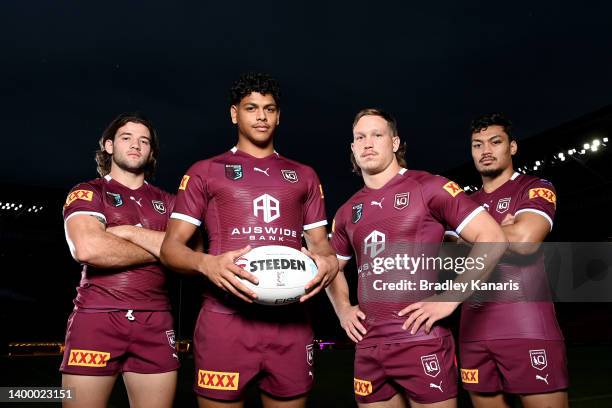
x=137 y=288
x=406 y=216
x=244 y=200
x=509 y=314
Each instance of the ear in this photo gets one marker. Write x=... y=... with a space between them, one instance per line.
x=234 y=114
x=396 y=143
x=513 y=147
x=108 y=146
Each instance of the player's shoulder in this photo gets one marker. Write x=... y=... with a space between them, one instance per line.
x=429 y=181
x=96 y=184
x=295 y=165
x=528 y=181
x=157 y=190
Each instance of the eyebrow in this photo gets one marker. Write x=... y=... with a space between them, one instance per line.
x=256 y=105
x=480 y=140
x=130 y=134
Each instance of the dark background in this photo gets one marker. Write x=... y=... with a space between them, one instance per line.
x=68 y=68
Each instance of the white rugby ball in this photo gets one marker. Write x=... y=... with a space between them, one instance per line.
x=282 y=272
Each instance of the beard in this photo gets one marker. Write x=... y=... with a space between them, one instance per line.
x=491 y=173
x=126 y=166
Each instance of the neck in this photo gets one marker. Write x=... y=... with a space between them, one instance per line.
x=378 y=180
x=259 y=151
x=128 y=179
x=490 y=184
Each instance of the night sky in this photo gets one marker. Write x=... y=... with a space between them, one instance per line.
x=68 y=68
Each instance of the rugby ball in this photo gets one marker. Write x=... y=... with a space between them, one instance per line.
x=282 y=272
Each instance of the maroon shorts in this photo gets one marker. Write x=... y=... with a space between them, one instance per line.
x=230 y=350
x=516 y=366
x=425 y=371
x=107 y=343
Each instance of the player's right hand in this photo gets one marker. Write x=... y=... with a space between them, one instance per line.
x=350 y=319
x=223 y=272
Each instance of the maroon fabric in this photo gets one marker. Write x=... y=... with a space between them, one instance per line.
x=520 y=366
x=230 y=350
x=138 y=288
x=408 y=214
x=243 y=200
x=425 y=371
x=108 y=343
x=525 y=313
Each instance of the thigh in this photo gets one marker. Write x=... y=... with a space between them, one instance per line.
x=479 y=371
x=150 y=390
x=531 y=366
x=273 y=402
x=89 y=391
x=227 y=356
x=152 y=347
x=426 y=370
x=95 y=344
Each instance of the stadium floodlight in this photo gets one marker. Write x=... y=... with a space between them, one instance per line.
x=594 y=148
x=570 y=151
x=586 y=146
x=596 y=143
x=537 y=163
x=582 y=151
x=535 y=168
x=20 y=205
x=29 y=210
x=562 y=158
x=605 y=140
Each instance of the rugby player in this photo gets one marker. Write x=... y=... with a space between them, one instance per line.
x=121 y=323
x=248 y=197
x=512 y=342
x=400 y=211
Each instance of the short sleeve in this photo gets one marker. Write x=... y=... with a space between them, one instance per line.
x=192 y=199
x=314 y=207
x=538 y=197
x=340 y=241
x=449 y=204
x=84 y=198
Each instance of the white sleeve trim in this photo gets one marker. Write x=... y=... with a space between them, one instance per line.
x=315 y=225
x=343 y=258
x=451 y=233
x=467 y=219
x=533 y=210
x=186 y=218
x=94 y=213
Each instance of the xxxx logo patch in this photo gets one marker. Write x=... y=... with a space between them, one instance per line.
x=362 y=387
x=85 y=195
x=544 y=193
x=217 y=380
x=88 y=358
x=469 y=376
x=452 y=188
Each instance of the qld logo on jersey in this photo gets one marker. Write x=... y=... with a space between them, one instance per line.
x=401 y=201
x=374 y=244
x=159 y=206
x=538 y=359
x=233 y=171
x=431 y=365
x=357 y=213
x=171 y=338
x=290 y=176
x=503 y=204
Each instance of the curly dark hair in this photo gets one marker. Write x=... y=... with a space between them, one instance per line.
x=103 y=159
x=492 y=119
x=400 y=154
x=254 y=82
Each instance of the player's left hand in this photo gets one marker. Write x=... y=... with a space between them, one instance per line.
x=328 y=269
x=428 y=312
